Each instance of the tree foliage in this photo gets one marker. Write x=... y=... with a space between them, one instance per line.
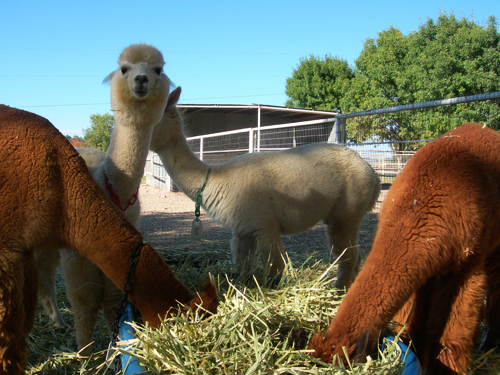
x=445 y=58
x=318 y=83
x=98 y=135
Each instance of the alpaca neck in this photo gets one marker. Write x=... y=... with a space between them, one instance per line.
x=125 y=159
x=187 y=171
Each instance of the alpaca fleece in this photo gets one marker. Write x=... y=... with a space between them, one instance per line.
x=262 y=196
x=49 y=200
x=437 y=249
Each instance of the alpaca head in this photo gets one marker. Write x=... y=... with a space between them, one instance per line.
x=169 y=124
x=139 y=85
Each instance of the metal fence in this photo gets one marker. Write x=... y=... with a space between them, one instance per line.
x=386 y=157
x=389 y=157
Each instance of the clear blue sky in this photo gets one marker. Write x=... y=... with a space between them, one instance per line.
x=54 y=54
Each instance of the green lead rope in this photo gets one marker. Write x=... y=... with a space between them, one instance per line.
x=199 y=197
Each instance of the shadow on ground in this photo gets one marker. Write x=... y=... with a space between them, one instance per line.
x=170 y=235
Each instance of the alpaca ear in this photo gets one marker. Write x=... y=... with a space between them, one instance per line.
x=173 y=98
x=170 y=83
x=107 y=80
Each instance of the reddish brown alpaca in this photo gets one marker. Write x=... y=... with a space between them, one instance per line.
x=438 y=245
x=48 y=200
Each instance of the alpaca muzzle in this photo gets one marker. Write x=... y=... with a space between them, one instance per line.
x=140 y=85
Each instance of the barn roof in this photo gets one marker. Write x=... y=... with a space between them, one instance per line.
x=293 y=114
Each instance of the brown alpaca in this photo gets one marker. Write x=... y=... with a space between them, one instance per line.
x=48 y=200
x=437 y=249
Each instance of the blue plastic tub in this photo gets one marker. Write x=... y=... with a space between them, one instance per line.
x=130 y=365
x=411 y=364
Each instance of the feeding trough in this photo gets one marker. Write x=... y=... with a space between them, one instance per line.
x=130 y=364
x=411 y=364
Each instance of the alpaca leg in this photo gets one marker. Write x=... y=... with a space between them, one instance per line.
x=84 y=289
x=453 y=321
x=344 y=238
x=414 y=315
x=492 y=311
x=18 y=303
x=243 y=250
x=271 y=248
x=48 y=265
x=30 y=285
x=112 y=298
x=405 y=316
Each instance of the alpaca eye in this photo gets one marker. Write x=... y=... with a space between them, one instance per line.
x=158 y=71
x=123 y=70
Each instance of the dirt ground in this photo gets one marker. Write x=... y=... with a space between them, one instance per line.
x=166 y=219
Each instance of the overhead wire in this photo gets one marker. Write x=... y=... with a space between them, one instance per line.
x=108 y=103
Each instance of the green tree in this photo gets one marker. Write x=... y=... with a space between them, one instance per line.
x=444 y=58
x=98 y=135
x=318 y=83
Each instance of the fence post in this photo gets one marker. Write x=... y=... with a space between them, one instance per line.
x=250 y=141
x=343 y=137
x=335 y=135
x=153 y=156
x=201 y=149
x=338 y=133
x=258 y=129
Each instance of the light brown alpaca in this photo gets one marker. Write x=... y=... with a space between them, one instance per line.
x=437 y=250
x=48 y=200
x=262 y=196
x=139 y=92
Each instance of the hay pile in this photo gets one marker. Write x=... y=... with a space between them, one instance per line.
x=257 y=330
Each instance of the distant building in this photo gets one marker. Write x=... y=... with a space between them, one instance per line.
x=214 y=118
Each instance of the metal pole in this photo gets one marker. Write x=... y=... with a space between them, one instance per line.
x=258 y=129
x=250 y=140
x=343 y=131
x=201 y=149
x=433 y=103
x=335 y=134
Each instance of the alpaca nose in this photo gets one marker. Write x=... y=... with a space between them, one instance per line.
x=141 y=79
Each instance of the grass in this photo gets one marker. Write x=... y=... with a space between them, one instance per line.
x=257 y=330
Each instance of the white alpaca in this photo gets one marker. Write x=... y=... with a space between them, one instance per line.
x=262 y=196
x=139 y=92
x=93 y=158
